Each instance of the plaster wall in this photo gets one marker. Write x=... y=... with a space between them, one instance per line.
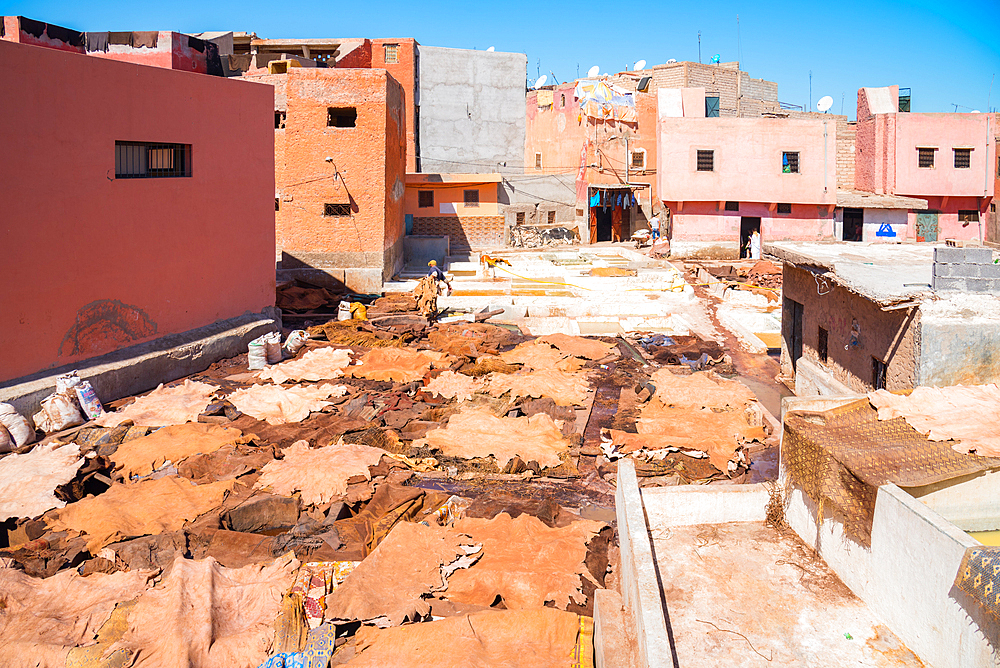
x=709 y=221
x=962 y=350
x=172 y=51
x=535 y=196
x=362 y=166
x=890 y=336
x=968 y=502
x=949 y=225
x=471 y=110
x=747 y=160
x=906 y=577
x=686 y=505
x=52 y=37
x=103 y=263
x=945 y=132
x=898 y=221
x=405 y=71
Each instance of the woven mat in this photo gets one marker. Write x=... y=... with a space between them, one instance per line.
x=840 y=457
x=979 y=577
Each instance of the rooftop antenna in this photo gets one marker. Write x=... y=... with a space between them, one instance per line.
x=594 y=71
x=639 y=65
x=810 y=89
x=699 y=46
x=540 y=81
x=554 y=80
x=538 y=70
x=824 y=104
x=739 y=44
x=491 y=49
x=842 y=103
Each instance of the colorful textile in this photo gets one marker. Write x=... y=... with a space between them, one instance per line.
x=979 y=577
x=320 y=645
x=314 y=581
x=285 y=660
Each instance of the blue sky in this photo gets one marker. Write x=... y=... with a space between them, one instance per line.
x=947 y=52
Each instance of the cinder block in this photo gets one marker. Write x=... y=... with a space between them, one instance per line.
x=978 y=255
x=949 y=255
x=978 y=270
x=945 y=284
x=983 y=285
x=950 y=270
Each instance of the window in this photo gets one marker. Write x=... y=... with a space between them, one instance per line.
x=276 y=207
x=706 y=161
x=925 y=157
x=904 y=99
x=823 y=344
x=336 y=209
x=790 y=162
x=538 y=161
x=391 y=53
x=139 y=160
x=963 y=158
x=341 y=117
x=711 y=106
x=638 y=160
x=732 y=206
x=784 y=208
x=878 y=374
x=279 y=119
x=520 y=218
x=472 y=199
x=425 y=198
x=562 y=100
x=966 y=217
x=552 y=217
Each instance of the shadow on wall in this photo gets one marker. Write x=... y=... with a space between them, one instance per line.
x=291 y=267
x=105 y=325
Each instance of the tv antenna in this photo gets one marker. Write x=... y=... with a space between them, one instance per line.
x=824 y=103
x=699 y=46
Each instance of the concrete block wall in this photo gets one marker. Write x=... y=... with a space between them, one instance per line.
x=965 y=270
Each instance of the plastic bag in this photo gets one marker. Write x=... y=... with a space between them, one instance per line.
x=67 y=381
x=58 y=412
x=89 y=402
x=16 y=425
x=295 y=341
x=272 y=347
x=257 y=357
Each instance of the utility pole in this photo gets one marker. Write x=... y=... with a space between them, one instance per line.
x=699 y=46
x=809 y=108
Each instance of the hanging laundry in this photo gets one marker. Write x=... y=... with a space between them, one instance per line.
x=595 y=199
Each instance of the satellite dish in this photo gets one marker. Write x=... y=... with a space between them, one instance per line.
x=541 y=81
x=641 y=65
x=491 y=49
x=824 y=103
x=671 y=61
x=974 y=111
x=594 y=71
x=716 y=59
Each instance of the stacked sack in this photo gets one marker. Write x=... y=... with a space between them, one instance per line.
x=67 y=406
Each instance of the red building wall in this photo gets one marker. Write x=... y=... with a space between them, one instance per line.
x=94 y=263
x=405 y=72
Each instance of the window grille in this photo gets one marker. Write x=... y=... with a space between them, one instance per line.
x=963 y=158
x=732 y=206
x=790 y=162
x=968 y=217
x=336 y=209
x=472 y=198
x=784 y=208
x=552 y=217
x=425 y=198
x=538 y=161
x=638 y=159
x=520 y=218
x=141 y=160
x=925 y=157
x=391 y=53
x=706 y=161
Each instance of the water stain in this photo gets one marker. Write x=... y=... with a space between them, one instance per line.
x=105 y=325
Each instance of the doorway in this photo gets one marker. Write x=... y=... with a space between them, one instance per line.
x=854 y=220
x=794 y=341
x=748 y=225
x=927 y=226
x=603 y=217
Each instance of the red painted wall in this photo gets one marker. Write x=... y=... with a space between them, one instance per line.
x=94 y=263
x=405 y=72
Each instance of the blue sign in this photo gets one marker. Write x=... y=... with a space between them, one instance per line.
x=885 y=231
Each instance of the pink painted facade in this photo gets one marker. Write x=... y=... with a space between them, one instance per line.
x=95 y=262
x=747 y=171
x=887 y=162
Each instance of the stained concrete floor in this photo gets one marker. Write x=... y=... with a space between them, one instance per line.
x=744 y=594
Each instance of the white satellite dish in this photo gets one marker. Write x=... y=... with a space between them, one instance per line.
x=824 y=103
x=594 y=71
x=491 y=49
x=671 y=61
x=640 y=65
x=975 y=111
x=541 y=81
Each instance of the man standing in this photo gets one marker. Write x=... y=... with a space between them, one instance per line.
x=654 y=227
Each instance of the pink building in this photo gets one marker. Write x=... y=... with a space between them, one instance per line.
x=947 y=159
x=137 y=206
x=723 y=178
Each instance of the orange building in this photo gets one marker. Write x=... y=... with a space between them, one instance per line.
x=613 y=156
x=136 y=205
x=463 y=207
x=340 y=175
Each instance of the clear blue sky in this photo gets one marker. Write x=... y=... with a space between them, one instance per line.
x=946 y=51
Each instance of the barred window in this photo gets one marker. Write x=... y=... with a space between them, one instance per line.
x=141 y=160
x=732 y=206
x=790 y=162
x=638 y=159
x=706 y=161
x=425 y=198
x=538 y=160
x=784 y=208
x=966 y=217
x=963 y=158
x=336 y=209
x=471 y=198
x=391 y=53
x=552 y=217
x=925 y=157
x=520 y=218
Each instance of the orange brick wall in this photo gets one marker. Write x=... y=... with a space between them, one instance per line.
x=363 y=166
